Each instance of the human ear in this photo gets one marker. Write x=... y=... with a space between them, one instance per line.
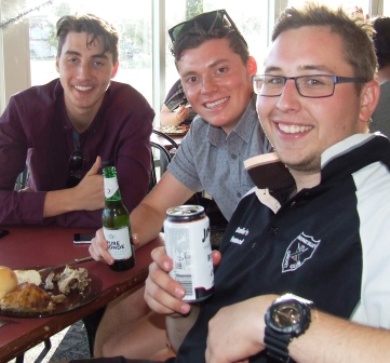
x=251 y=66
x=115 y=69
x=369 y=98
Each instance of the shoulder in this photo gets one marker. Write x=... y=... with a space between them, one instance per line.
x=45 y=94
x=124 y=96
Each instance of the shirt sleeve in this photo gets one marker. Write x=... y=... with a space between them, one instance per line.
x=183 y=167
x=16 y=207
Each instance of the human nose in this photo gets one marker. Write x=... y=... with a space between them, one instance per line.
x=209 y=85
x=289 y=97
x=84 y=70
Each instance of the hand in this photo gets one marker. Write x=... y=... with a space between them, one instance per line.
x=162 y=293
x=236 y=332
x=90 y=191
x=182 y=113
x=98 y=248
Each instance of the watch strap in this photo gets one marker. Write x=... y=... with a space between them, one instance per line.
x=277 y=345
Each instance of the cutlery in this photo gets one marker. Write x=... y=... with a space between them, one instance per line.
x=73 y=262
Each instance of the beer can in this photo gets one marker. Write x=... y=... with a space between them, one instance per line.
x=187 y=242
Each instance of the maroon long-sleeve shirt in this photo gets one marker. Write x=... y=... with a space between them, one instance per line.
x=34 y=129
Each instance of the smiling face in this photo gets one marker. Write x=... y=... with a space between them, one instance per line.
x=216 y=82
x=301 y=128
x=85 y=73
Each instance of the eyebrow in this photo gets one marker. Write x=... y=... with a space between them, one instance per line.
x=212 y=65
x=321 y=68
x=99 y=55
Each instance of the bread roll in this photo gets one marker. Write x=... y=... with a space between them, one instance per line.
x=30 y=276
x=8 y=280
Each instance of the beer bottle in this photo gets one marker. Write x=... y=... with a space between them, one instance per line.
x=116 y=225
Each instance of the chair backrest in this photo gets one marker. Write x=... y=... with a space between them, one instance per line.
x=160 y=158
x=166 y=137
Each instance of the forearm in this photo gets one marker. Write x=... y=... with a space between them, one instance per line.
x=146 y=222
x=59 y=202
x=332 y=340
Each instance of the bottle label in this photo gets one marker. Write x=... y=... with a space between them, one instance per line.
x=118 y=241
x=110 y=187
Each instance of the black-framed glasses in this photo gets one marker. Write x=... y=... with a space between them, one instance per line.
x=207 y=22
x=76 y=163
x=313 y=86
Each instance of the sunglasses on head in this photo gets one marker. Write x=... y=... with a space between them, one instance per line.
x=76 y=163
x=207 y=22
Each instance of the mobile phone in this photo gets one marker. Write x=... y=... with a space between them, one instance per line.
x=83 y=237
x=3 y=232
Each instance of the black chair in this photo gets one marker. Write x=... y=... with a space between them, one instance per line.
x=160 y=158
x=166 y=137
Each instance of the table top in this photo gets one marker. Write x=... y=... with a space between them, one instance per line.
x=38 y=247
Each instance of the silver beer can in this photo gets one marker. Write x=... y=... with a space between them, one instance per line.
x=187 y=242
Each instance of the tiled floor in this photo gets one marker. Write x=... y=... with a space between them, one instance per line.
x=70 y=343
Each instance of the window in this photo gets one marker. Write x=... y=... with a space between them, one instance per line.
x=31 y=25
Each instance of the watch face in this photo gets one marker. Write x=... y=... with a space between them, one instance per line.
x=289 y=317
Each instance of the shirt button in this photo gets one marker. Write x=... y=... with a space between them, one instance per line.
x=239 y=194
x=233 y=156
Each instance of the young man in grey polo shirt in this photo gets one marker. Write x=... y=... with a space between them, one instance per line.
x=216 y=71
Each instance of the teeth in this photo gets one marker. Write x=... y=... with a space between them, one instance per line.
x=294 y=129
x=216 y=103
x=83 y=88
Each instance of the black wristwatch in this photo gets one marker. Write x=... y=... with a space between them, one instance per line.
x=288 y=317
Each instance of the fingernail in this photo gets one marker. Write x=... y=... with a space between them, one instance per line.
x=185 y=309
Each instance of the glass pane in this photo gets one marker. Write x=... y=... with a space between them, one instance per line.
x=348 y=5
x=135 y=39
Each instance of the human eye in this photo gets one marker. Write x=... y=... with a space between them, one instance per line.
x=72 y=60
x=273 y=80
x=314 y=81
x=222 y=70
x=99 y=62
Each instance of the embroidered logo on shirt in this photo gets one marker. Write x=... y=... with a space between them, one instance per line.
x=298 y=252
x=239 y=235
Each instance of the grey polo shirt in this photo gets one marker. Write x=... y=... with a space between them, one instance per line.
x=210 y=160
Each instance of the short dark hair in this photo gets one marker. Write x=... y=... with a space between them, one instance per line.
x=355 y=33
x=382 y=40
x=90 y=24
x=195 y=35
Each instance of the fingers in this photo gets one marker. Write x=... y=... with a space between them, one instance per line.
x=162 y=293
x=98 y=248
x=95 y=167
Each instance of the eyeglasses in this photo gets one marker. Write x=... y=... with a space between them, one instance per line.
x=207 y=22
x=76 y=163
x=313 y=86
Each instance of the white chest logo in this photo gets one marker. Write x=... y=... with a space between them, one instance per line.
x=298 y=252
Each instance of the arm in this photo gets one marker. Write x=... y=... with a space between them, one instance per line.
x=168 y=117
x=148 y=217
x=328 y=339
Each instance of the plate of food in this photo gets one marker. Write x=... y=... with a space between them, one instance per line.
x=29 y=293
x=172 y=130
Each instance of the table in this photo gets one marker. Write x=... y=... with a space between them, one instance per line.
x=37 y=247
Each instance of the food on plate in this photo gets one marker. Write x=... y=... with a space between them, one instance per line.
x=28 y=297
x=172 y=129
x=23 y=290
x=8 y=280
x=69 y=280
x=31 y=276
